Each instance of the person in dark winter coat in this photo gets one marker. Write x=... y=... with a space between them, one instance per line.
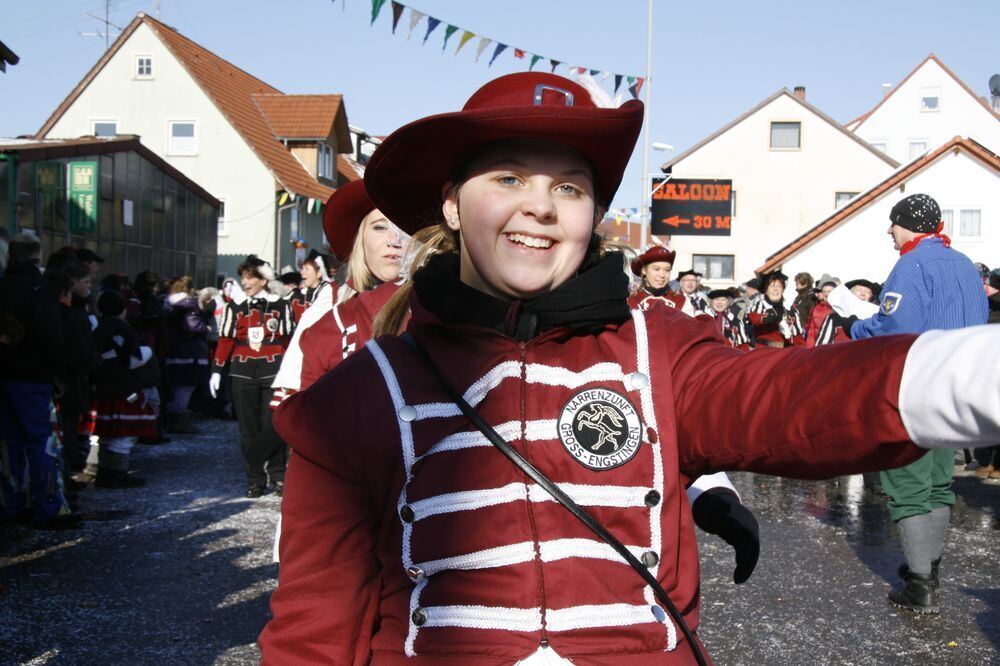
x=187 y=353
x=73 y=284
x=28 y=444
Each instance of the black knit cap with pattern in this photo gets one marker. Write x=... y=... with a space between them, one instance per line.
x=917 y=212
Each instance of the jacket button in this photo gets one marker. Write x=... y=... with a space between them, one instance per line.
x=638 y=381
x=658 y=613
x=406 y=513
x=652 y=498
x=416 y=574
x=419 y=617
x=407 y=413
x=651 y=435
x=649 y=558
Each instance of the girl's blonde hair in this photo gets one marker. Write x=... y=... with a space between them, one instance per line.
x=182 y=285
x=359 y=277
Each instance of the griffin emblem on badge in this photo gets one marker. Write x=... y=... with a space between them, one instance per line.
x=600 y=428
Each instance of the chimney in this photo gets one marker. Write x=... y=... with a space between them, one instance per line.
x=800 y=92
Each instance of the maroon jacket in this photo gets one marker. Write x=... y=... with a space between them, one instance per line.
x=406 y=539
x=341 y=332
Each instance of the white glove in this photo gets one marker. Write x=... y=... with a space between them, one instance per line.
x=214 y=382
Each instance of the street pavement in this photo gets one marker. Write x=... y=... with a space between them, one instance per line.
x=179 y=572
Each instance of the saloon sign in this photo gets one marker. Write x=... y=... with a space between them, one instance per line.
x=689 y=207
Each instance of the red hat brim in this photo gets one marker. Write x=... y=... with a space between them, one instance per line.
x=405 y=175
x=342 y=217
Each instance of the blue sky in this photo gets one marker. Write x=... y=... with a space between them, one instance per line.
x=711 y=60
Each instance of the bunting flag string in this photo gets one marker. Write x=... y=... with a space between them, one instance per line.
x=634 y=84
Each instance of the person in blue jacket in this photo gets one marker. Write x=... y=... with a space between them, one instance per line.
x=932 y=286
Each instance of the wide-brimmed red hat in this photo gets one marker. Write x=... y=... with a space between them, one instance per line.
x=342 y=216
x=405 y=175
x=652 y=255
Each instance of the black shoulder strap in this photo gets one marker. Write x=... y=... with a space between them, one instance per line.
x=556 y=492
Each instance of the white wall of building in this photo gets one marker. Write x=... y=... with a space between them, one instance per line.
x=780 y=193
x=224 y=165
x=860 y=247
x=902 y=118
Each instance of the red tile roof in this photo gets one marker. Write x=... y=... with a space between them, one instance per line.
x=854 y=124
x=862 y=201
x=306 y=117
x=232 y=90
x=349 y=169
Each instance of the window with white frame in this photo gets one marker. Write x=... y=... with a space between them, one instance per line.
x=786 y=135
x=143 y=67
x=105 y=127
x=948 y=220
x=840 y=199
x=714 y=266
x=223 y=219
x=182 y=137
x=970 y=223
x=930 y=100
x=324 y=161
x=879 y=145
x=917 y=147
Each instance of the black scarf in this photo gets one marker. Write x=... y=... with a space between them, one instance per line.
x=595 y=296
x=655 y=292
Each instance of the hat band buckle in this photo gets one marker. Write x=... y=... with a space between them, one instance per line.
x=541 y=88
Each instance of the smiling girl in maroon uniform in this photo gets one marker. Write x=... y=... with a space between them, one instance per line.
x=409 y=539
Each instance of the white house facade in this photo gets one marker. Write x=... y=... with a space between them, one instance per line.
x=928 y=108
x=961 y=175
x=790 y=164
x=207 y=118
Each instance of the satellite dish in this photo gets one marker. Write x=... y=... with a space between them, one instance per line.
x=995 y=85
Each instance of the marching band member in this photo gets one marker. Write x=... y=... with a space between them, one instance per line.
x=653 y=266
x=729 y=327
x=373 y=248
x=449 y=483
x=774 y=325
x=690 y=282
x=252 y=341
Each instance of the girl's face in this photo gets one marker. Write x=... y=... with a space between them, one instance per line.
x=310 y=276
x=383 y=243
x=252 y=285
x=862 y=292
x=526 y=215
x=657 y=274
x=776 y=290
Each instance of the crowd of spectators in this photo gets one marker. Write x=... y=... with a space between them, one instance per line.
x=90 y=369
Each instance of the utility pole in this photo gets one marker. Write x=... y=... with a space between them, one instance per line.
x=644 y=217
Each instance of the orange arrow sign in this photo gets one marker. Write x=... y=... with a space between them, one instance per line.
x=676 y=220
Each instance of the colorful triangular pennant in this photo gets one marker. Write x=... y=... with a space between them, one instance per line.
x=376 y=8
x=534 y=61
x=554 y=63
x=466 y=36
x=518 y=53
x=415 y=17
x=481 y=46
x=397 y=13
x=497 y=51
x=431 y=24
x=634 y=89
x=448 y=32
x=618 y=82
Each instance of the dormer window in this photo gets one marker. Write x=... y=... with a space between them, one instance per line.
x=144 y=67
x=324 y=161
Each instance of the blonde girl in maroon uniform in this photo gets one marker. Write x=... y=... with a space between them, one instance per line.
x=653 y=267
x=428 y=521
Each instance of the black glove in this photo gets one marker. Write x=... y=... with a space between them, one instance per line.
x=843 y=322
x=772 y=317
x=719 y=511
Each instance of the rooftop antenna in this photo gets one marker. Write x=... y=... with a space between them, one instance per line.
x=107 y=24
x=995 y=92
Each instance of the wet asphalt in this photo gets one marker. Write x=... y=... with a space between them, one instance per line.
x=179 y=572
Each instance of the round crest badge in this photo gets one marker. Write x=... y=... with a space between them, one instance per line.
x=272 y=325
x=600 y=428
